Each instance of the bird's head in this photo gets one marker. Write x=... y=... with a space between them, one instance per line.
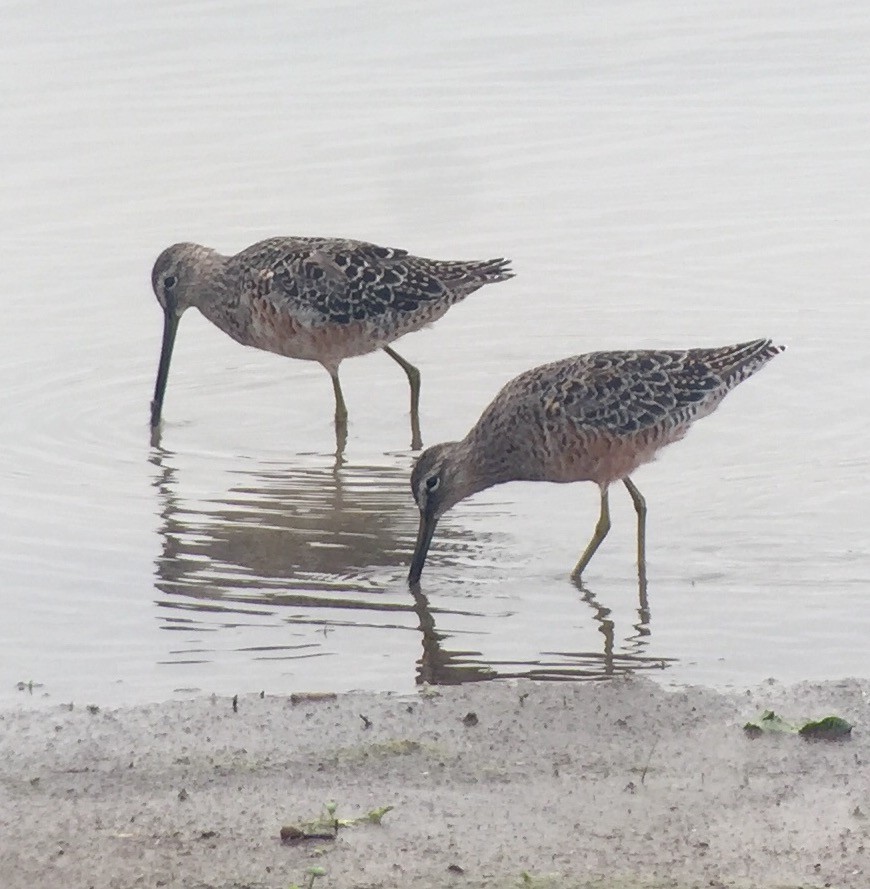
x=176 y=275
x=178 y=281
x=437 y=484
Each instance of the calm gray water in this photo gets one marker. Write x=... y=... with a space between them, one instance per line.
x=661 y=174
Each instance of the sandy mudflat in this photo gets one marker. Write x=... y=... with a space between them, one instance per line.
x=608 y=784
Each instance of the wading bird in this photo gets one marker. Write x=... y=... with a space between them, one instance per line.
x=319 y=299
x=594 y=417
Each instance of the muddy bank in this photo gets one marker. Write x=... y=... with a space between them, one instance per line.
x=610 y=784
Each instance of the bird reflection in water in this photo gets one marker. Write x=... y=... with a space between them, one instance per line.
x=321 y=545
x=440 y=666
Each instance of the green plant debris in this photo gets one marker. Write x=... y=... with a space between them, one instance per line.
x=539 y=881
x=327 y=824
x=311 y=874
x=830 y=728
x=384 y=749
x=768 y=724
x=376 y=815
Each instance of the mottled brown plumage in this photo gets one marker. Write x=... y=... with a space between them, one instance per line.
x=594 y=417
x=319 y=299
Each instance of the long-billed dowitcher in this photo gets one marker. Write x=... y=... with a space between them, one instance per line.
x=321 y=299
x=594 y=417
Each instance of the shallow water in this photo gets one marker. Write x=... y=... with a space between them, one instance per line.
x=660 y=176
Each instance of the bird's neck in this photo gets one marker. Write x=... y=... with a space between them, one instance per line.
x=487 y=463
x=210 y=278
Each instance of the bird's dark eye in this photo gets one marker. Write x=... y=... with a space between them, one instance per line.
x=169 y=282
x=432 y=482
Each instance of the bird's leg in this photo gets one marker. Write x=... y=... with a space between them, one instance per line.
x=340 y=406
x=601 y=530
x=640 y=509
x=340 y=443
x=413 y=375
x=340 y=413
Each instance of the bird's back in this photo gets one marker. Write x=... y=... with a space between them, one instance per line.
x=335 y=281
x=598 y=416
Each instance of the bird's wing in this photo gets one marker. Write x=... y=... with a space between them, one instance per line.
x=626 y=392
x=329 y=281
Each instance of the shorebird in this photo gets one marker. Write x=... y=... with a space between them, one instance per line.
x=320 y=299
x=594 y=417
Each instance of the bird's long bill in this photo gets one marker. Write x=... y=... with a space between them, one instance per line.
x=421 y=547
x=170 y=327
